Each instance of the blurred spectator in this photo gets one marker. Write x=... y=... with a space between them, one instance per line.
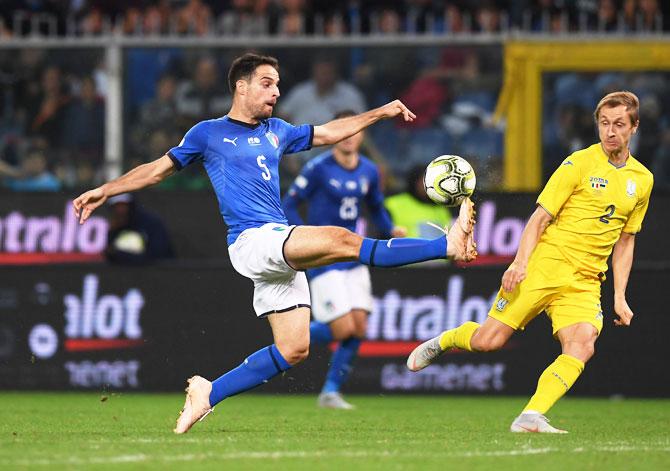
x=318 y=99
x=47 y=106
x=651 y=17
x=607 y=16
x=84 y=124
x=412 y=209
x=204 y=96
x=159 y=114
x=487 y=18
x=93 y=23
x=194 y=18
x=34 y=174
x=136 y=236
x=294 y=18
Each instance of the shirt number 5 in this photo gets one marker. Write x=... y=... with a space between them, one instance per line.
x=266 y=171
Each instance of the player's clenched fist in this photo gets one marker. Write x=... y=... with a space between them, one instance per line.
x=87 y=202
x=395 y=108
x=624 y=312
x=514 y=275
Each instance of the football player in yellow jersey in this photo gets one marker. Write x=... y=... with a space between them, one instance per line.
x=592 y=205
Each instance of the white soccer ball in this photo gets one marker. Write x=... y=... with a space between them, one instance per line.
x=449 y=179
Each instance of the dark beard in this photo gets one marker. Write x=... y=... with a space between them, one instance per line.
x=259 y=114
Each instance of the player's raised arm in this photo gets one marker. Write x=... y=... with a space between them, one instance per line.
x=140 y=177
x=338 y=129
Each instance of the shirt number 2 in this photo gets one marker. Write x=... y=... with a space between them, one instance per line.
x=608 y=214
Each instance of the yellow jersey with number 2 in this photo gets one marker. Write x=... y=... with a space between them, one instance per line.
x=592 y=202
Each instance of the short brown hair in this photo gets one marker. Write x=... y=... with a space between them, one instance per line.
x=244 y=67
x=626 y=98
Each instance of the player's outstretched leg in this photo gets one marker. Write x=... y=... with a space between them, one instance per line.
x=316 y=246
x=458 y=244
x=470 y=336
x=197 y=405
x=430 y=350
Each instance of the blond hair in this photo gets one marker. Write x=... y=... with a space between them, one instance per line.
x=626 y=98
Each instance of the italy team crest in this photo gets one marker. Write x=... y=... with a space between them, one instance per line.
x=630 y=188
x=272 y=137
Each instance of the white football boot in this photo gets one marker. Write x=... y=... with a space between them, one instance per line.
x=533 y=423
x=333 y=400
x=197 y=406
x=424 y=354
x=461 y=244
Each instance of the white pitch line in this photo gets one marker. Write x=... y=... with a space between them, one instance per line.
x=275 y=455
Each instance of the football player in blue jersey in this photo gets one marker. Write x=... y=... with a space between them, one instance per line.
x=241 y=152
x=335 y=184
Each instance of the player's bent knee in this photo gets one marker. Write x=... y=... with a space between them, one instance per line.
x=296 y=354
x=349 y=243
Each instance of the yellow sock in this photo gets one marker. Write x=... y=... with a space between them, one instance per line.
x=554 y=382
x=458 y=337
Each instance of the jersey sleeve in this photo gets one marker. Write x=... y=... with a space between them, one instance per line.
x=299 y=138
x=375 y=201
x=302 y=188
x=560 y=186
x=192 y=146
x=634 y=223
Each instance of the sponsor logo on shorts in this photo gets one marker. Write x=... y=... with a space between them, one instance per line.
x=278 y=228
x=500 y=304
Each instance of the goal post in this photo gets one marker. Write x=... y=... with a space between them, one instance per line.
x=520 y=101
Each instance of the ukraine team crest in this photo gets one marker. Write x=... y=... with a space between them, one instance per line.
x=500 y=305
x=272 y=137
x=630 y=188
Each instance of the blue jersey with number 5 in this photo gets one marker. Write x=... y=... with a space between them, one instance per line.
x=242 y=161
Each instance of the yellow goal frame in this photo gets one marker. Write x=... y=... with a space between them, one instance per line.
x=520 y=101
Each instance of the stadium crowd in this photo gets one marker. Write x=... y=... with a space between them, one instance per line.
x=326 y=17
x=52 y=102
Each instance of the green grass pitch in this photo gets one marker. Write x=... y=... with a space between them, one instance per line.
x=134 y=431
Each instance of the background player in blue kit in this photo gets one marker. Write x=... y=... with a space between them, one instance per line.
x=336 y=183
x=241 y=152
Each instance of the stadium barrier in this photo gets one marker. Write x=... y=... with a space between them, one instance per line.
x=98 y=327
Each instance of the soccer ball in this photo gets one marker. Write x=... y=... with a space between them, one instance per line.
x=449 y=179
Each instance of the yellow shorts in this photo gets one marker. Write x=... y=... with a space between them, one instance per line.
x=552 y=286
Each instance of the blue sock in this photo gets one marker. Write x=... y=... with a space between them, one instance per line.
x=396 y=252
x=341 y=364
x=258 y=368
x=320 y=332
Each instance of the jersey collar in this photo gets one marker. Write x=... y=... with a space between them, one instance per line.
x=605 y=156
x=242 y=123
